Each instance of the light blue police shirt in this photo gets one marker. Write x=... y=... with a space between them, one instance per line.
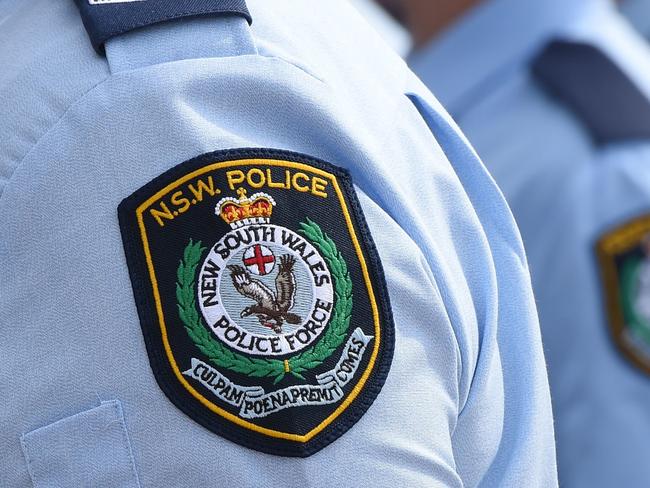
x=565 y=192
x=466 y=402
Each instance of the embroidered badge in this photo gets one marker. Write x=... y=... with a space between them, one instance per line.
x=261 y=297
x=624 y=256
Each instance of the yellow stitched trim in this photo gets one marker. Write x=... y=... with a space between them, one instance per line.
x=163 y=328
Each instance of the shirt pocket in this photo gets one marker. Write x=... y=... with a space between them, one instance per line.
x=89 y=449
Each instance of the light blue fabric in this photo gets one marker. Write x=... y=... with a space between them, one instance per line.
x=565 y=193
x=466 y=402
x=391 y=31
x=96 y=439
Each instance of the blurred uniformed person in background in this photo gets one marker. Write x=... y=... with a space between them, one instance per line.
x=555 y=96
x=237 y=250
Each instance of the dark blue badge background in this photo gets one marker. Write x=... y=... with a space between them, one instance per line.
x=201 y=224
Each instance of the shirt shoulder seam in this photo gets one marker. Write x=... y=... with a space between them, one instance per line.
x=73 y=103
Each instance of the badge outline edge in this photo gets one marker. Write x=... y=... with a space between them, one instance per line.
x=383 y=350
x=616 y=240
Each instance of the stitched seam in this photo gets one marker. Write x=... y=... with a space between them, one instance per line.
x=280 y=59
x=81 y=97
x=50 y=129
x=30 y=468
x=420 y=106
x=119 y=412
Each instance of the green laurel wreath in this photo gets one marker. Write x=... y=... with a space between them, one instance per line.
x=628 y=283
x=223 y=357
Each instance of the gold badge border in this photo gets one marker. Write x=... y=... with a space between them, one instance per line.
x=161 y=319
x=612 y=244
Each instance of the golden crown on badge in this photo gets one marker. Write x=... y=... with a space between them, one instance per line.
x=237 y=213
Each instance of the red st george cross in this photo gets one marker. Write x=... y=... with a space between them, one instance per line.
x=259 y=256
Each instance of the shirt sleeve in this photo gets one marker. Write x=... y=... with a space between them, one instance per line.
x=504 y=385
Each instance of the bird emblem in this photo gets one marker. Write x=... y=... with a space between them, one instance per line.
x=271 y=309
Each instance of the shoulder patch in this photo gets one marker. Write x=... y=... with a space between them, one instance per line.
x=624 y=256
x=261 y=297
x=599 y=93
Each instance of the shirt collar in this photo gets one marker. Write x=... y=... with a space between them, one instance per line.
x=495 y=36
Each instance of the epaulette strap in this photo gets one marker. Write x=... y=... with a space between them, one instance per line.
x=104 y=19
x=600 y=94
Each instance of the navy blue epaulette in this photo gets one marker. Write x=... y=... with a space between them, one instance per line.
x=599 y=93
x=104 y=19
